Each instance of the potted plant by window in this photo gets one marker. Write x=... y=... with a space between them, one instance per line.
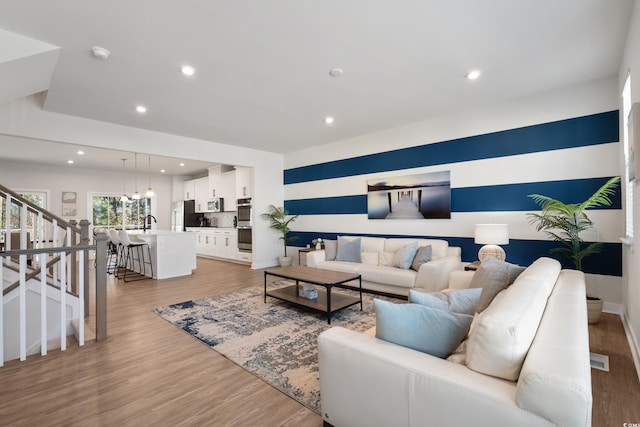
x=277 y=217
x=563 y=222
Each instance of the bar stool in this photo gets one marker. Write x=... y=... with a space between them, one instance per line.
x=116 y=245
x=135 y=247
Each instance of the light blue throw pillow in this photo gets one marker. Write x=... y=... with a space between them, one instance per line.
x=348 y=249
x=404 y=256
x=421 y=328
x=461 y=301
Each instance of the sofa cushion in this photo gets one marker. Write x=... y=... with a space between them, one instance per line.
x=330 y=249
x=372 y=244
x=370 y=258
x=348 y=249
x=462 y=301
x=388 y=275
x=343 y=266
x=396 y=243
x=404 y=256
x=426 y=329
x=502 y=334
x=423 y=255
x=493 y=276
x=386 y=258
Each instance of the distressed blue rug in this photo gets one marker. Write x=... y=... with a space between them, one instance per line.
x=276 y=341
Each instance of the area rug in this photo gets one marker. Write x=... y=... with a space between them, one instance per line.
x=276 y=341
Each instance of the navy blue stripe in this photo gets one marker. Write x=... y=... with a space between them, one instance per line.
x=522 y=252
x=494 y=198
x=601 y=128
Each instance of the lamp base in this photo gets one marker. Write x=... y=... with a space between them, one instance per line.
x=491 y=251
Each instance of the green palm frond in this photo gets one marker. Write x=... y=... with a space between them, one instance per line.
x=563 y=222
x=277 y=217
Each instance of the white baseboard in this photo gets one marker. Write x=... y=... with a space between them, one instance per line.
x=633 y=343
x=612 y=307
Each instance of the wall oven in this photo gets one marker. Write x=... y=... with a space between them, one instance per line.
x=244 y=225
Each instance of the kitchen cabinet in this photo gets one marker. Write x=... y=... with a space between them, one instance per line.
x=229 y=190
x=189 y=189
x=201 y=192
x=244 y=182
x=215 y=181
x=219 y=243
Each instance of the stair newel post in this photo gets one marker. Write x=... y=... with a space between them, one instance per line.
x=73 y=257
x=101 y=286
x=84 y=240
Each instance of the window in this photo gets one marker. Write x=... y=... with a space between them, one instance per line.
x=628 y=158
x=110 y=212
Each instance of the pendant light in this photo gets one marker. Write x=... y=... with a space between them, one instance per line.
x=149 y=192
x=124 y=197
x=136 y=195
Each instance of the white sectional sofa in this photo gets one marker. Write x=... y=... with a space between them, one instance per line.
x=526 y=364
x=377 y=275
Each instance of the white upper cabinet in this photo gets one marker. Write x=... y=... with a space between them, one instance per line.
x=215 y=182
x=189 y=189
x=201 y=194
x=244 y=182
x=229 y=185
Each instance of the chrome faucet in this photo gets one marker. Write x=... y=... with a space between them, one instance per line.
x=144 y=222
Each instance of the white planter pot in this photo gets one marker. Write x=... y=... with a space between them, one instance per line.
x=594 y=310
x=285 y=261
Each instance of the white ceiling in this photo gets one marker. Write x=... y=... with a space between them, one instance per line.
x=262 y=78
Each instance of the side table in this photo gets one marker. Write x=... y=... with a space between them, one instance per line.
x=304 y=251
x=472 y=267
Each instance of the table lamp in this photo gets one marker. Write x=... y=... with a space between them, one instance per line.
x=491 y=235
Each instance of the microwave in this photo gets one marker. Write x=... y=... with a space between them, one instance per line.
x=215 y=205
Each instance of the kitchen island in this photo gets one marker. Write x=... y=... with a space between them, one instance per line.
x=173 y=253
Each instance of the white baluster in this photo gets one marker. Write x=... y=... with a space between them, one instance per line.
x=56 y=266
x=22 y=311
x=43 y=304
x=1 y=311
x=81 y=299
x=7 y=231
x=63 y=301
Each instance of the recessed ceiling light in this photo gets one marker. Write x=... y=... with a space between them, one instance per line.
x=161 y=170
x=328 y=120
x=181 y=164
x=472 y=75
x=80 y=152
x=187 y=70
x=100 y=52
x=70 y=162
x=336 y=72
x=141 y=109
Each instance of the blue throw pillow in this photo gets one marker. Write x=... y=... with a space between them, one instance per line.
x=404 y=256
x=421 y=328
x=348 y=249
x=461 y=301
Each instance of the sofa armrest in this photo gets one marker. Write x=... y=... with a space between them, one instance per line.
x=315 y=257
x=434 y=275
x=365 y=381
x=460 y=279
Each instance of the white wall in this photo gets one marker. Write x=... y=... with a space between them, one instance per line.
x=56 y=179
x=25 y=118
x=631 y=254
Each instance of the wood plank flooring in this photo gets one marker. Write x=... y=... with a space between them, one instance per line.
x=150 y=373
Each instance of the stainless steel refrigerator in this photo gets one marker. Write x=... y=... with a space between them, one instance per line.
x=184 y=215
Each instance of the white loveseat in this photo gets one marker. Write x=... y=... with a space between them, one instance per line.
x=539 y=322
x=376 y=252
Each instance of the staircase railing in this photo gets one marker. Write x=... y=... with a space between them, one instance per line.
x=68 y=268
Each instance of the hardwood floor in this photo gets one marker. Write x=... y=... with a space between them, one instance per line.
x=150 y=373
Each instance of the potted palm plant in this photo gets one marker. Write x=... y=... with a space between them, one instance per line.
x=563 y=222
x=280 y=220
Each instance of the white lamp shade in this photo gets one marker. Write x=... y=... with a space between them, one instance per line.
x=491 y=234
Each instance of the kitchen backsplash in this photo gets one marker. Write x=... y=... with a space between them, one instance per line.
x=224 y=219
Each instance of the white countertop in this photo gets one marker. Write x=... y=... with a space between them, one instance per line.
x=155 y=232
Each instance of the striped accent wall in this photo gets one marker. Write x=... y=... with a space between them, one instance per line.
x=491 y=176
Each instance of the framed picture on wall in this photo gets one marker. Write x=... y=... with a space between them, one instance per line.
x=421 y=196
x=69 y=203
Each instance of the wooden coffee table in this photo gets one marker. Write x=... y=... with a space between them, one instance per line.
x=326 y=302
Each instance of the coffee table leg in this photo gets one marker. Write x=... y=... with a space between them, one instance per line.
x=329 y=305
x=360 y=280
x=265 y=286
